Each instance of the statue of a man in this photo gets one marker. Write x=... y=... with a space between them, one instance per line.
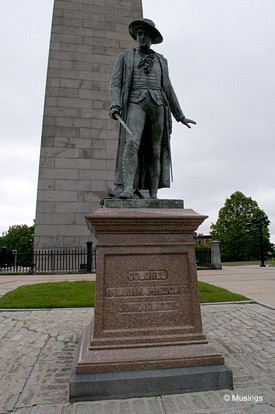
x=141 y=93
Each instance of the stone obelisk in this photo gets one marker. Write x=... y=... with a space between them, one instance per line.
x=78 y=145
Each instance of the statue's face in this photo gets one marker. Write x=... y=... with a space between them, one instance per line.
x=144 y=39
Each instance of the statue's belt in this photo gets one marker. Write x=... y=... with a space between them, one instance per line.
x=138 y=87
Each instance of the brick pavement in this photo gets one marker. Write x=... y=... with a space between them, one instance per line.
x=37 y=347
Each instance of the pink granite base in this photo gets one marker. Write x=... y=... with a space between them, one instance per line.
x=147 y=311
x=144 y=356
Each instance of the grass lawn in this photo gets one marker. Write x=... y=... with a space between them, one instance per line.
x=210 y=293
x=82 y=294
x=50 y=295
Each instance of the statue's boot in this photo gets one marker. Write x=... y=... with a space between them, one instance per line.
x=127 y=193
x=115 y=191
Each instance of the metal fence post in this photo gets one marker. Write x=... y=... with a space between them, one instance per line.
x=14 y=252
x=89 y=256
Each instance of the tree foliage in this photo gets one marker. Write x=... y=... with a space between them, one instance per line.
x=239 y=241
x=20 y=238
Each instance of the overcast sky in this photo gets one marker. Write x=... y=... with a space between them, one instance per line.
x=222 y=65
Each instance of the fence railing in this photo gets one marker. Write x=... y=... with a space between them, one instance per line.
x=69 y=261
x=15 y=262
x=49 y=261
x=203 y=258
x=63 y=261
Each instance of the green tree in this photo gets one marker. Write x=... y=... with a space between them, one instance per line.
x=20 y=238
x=239 y=241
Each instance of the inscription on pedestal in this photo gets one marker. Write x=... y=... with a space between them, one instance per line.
x=136 y=307
x=148 y=291
x=141 y=275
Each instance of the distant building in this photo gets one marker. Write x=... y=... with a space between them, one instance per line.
x=202 y=238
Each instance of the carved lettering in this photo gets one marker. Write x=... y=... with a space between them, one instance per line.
x=124 y=291
x=137 y=307
x=167 y=290
x=141 y=275
x=147 y=291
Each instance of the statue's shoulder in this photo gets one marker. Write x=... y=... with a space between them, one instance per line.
x=130 y=52
x=126 y=54
x=159 y=56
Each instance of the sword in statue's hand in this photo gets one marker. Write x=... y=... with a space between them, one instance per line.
x=118 y=117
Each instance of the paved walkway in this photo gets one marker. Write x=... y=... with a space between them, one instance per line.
x=37 y=347
x=254 y=282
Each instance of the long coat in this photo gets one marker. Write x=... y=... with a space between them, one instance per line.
x=120 y=88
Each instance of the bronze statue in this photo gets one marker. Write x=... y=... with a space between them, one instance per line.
x=142 y=99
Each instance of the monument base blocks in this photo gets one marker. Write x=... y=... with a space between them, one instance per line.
x=146 y=337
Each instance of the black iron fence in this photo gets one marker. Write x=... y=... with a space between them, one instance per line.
x=60 y=261
x=49 y=261
x=203 y=257
x=68 y=261
x=14 y=261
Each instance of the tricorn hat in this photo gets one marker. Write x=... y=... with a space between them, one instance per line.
x=148 y=25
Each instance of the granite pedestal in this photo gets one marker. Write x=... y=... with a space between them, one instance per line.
x=146 y=336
